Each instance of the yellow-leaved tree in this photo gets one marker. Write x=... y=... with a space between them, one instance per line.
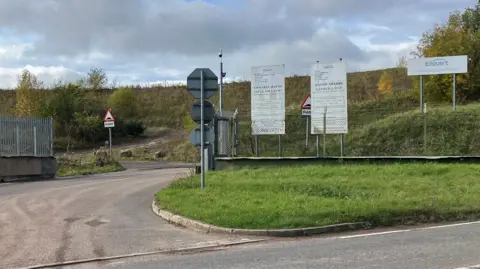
x=385 y=84
x=458 y=36
x=26 y=101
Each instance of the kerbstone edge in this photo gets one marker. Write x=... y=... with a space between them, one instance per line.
x=208 y=228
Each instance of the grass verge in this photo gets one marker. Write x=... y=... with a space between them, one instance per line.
x=295 y=197
x=70 y=168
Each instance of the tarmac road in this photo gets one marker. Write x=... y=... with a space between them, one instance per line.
x=86 y=217
x=448 y=247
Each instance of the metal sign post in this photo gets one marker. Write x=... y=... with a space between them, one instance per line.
x=109 y=122
x=438 y=66
x=306 y=111
x=454 y=97
x=202 y=131
x=202 y=83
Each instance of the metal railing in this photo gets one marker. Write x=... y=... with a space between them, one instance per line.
x=28 y=136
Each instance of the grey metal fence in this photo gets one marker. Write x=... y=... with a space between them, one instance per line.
x=29 y=136
x=373 y=131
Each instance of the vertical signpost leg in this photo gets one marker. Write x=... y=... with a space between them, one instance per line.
x=256 y=146
x=318 y=145
x=421 y=93
x=280 y=145
x=306 y=133
x=110 y=141
x=341 y=144
x=325 y=132
x=202 y=140
x=220 y=97
x=454 y=92
x=425 y=129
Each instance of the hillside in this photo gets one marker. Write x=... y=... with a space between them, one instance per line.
x=168 y=107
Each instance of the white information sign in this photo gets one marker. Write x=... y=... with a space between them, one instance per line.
x=438 y=65
x=329 y=94
x=268 y=100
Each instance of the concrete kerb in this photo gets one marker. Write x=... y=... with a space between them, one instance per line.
x=207 y=228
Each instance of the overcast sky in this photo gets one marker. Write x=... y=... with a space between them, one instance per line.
x=148 y=41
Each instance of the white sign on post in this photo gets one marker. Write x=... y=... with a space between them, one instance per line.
x=438 y=65
x=268 y=100
x=329 y=93
x=109 y=120
x=306 y=106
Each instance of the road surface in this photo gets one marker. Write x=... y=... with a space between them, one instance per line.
x=86 y=217
x=438 y=248
x=107 y=215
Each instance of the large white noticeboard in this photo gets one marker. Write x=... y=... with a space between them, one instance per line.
x=438 y=65
x=329 y=90
x=268 y=100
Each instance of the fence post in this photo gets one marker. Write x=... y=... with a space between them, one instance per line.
x=51 y=135
x=34 y=140
x=17 y=139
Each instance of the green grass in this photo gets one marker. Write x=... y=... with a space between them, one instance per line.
x=69 y=169
x=306 y=196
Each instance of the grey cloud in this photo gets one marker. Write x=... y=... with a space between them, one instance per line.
x=181 y=35
x=69 y=27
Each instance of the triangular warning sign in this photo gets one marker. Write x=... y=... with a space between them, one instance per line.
x=108 y=116
x=307 y=103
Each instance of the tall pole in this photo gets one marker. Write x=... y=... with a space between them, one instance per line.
x=220 y=109
x=454 y=92
x=421 y=93
x=110 y=141
x=202 y=140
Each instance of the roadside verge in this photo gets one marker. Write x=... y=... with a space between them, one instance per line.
x=207 y=228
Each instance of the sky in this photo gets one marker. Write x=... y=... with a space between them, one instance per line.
x=161 y=41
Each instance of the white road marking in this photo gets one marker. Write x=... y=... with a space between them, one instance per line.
x=372 y=234
x=470 y=267
x=408 y=230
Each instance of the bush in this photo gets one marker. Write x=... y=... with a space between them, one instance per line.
x=88 y=128
x=123 y=103
x=133 y=128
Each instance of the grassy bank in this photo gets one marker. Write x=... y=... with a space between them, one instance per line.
x=396 y=130
x=79 y=167
x=292 y=197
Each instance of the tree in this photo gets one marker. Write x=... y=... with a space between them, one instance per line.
x=27 y=105
x=385 y=84
x=96 y=79
x=402 y=62
x=457 y=36
x=123 y=102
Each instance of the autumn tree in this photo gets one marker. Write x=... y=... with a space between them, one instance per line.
x=457 y=36
x=26 y=101
x=385 y=84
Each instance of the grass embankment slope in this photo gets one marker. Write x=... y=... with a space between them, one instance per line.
x=397 y=129
x=306 y=196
